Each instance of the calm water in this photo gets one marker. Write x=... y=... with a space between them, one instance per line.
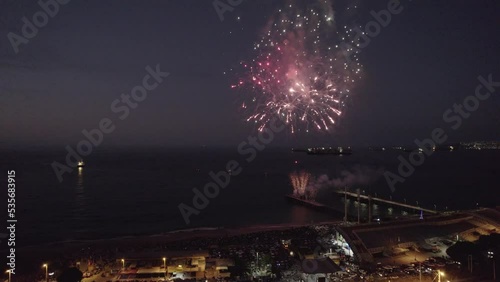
x=134 y=192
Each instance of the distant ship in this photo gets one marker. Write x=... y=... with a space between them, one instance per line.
x=329 y=151
x=81 y=164
x=376 y=148
x=409 y=150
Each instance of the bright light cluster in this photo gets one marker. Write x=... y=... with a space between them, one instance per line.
x=300 y=181
x=301 y=72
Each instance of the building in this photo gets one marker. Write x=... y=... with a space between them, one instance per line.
x=367 y=240
x=320 y=270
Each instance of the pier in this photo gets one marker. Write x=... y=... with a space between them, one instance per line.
x=380 y=200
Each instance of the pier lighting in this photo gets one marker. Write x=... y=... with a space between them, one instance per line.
x=440 y=274
x=8 y=271
x=46 y=271
x=164 y=262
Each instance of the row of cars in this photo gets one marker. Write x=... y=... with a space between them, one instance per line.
x=428 y=267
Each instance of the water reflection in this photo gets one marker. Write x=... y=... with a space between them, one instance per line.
x=299 y=215
x=81 y=198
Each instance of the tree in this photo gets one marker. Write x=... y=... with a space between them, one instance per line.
x=293 y=274
x=261 y=267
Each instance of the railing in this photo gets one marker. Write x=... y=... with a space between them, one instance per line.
x=376 y=199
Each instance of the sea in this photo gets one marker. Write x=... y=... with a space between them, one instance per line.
x=137 y=191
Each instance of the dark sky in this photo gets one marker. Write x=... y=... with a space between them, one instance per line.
x=65 y=78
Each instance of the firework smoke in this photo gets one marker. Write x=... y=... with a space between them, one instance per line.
x=359 y=175
x=300 y=72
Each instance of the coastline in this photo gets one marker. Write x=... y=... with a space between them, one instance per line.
x=55 y=248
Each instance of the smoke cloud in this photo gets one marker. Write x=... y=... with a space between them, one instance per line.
x=358 y=175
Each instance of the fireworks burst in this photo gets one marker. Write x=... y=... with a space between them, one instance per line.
x=300 y=73
x=299 y=181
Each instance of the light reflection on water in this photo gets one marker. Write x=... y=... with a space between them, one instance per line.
x=80 y=196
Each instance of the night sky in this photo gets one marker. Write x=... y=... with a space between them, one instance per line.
x=66 y=77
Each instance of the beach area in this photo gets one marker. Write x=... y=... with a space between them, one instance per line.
x=286 y=246
x=29 y=258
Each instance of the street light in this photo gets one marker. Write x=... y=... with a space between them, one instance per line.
x=440 y=274
x=165 y=263
x=8 y=271
x=46 y=271
x=491 y=256
x=123 y=263
x=420 y=271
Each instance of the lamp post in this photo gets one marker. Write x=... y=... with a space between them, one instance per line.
x=494 y=271
x=165 y=263
x=46 y=272
x=469 y=263
x=492 y=258
x=123 y=263
x=420 y=271
x=440 y=273
x=8 y=271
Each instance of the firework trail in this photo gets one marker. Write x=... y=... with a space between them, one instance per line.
x=300 y=73
x=300 y=181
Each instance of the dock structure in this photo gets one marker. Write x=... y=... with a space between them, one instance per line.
x=380 y=200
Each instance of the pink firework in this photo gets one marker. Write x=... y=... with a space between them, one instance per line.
x=300 y=73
